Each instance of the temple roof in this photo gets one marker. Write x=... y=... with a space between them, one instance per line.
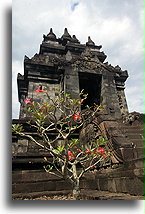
x=55 y=51
x=90 y=42
x=50 y=36
x=66 y=35
x=74 y=39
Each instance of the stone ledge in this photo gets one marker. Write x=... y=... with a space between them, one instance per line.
x=85 y=194
x=39 y=194
x=105 y=195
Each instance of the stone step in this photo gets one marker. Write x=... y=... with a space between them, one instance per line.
x=31 y=176
x=39 y=180
x=139 y=153
x=106 y=195
x=30 y=195
x=138 y=143
x=30 y=160
x=134 y=136
x=132 y=127
x=85 y=195
x=133 y=131
x=40 y=186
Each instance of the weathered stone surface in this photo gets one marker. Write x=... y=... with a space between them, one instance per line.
x=32 y=176
x=139 y=163
x=111 y=185
x=138 y=153
x=33 y=187
x=14 y=148
x=22 y=149
x=103 y=184
x=139 y=172
x=61 y=185
x=127 y=153
x=23 y=142
x=135 y=186
x=88 y=184
x=120 y=184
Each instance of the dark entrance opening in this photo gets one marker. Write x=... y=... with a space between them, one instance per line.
x=91 y=83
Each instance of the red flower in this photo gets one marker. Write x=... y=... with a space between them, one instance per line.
x=94 y=165
x=70 y=155
x=101 y=151
x=77 y=116
x=39 y=90
x=28 y=101
x=88 y=150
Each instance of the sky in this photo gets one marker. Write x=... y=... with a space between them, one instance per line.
x=117 y=25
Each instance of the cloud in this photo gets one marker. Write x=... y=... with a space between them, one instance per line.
x=136 y=99
x=74 y=5
x=117 y=25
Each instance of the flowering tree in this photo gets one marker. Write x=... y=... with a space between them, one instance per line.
x=63 y=116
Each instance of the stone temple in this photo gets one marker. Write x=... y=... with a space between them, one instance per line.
x=64 y=63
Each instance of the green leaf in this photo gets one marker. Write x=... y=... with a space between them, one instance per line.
x=74 y=101
x=75 y=127
x=18 y=128
x=73 y=142
x=61 y=100
x=60 y=149
x=29 y=109
x=48 y=168
x=85 y=95
x=67 y=96
x=101 y=141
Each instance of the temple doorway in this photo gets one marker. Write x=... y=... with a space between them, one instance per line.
x=91 y=83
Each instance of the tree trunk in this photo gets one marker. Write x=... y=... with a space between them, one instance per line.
x=76 y=190
x=76 y=184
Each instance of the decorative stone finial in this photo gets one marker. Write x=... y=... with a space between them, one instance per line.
x=26 y=57
x=66 y=34
x=51 y=35
x=90 y=42
x=74 y=39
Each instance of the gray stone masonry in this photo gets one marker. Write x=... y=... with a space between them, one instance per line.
x=66 y=64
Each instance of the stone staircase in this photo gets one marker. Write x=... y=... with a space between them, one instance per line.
x=135 y=133
x=128 y=177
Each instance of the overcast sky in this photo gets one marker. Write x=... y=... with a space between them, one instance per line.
x=117 y=25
